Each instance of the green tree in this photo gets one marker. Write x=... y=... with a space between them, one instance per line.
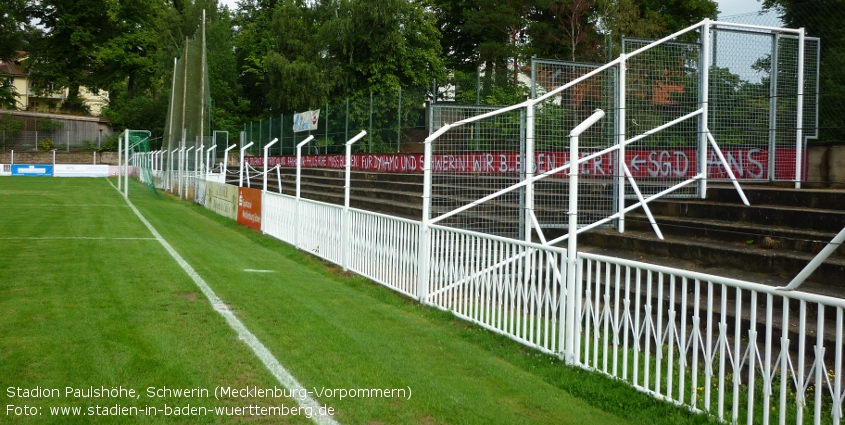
x=278 y=53
x=61 y=56
x=822 y=18
x=377 y=45
x=13 y=26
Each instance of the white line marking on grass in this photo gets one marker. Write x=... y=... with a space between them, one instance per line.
x=259 y=271
x=279 y=372
x=66 y=205
x=49 y=238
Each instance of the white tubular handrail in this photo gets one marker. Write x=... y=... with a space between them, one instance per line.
x=226 y=158
x=266 y=149
x=346 y=192
x=241 y=175
x=208 y=161
x=298 y=184
x=572 y=247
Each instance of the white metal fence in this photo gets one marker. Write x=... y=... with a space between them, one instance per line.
x=741 y=351
x=744 y=352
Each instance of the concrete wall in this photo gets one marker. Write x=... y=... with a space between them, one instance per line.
x=826 y=165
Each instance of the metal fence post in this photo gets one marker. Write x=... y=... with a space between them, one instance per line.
x=572 y=248
x=241 y=170
x=225 y=168
x=704 y=94
x=424 y=250
x=620 y=154
x=119 y=161
x=298 y=184
x=266 y=148
x=799 y=120
x=126 y=164
x=529 y=168
x=347 y=221
x=327 y=130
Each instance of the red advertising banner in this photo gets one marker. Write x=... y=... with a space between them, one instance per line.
x=249 y=207
x=746 y=163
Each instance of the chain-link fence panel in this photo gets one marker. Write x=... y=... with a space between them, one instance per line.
x=661 y=86
x=476 y=160
x=554 y=119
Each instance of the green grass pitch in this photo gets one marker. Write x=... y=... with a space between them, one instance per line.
x=95 y=314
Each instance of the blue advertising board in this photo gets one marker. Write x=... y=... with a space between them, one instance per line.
x=32 y=170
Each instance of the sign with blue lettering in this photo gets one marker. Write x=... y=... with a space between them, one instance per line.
x=306 y=121
x=32 y=170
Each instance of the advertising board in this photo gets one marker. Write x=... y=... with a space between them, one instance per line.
x=80 y=170
x=32 y=170
x=222 y=199
x=249 y=207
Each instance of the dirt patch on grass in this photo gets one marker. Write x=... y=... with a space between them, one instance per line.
x=190 y=296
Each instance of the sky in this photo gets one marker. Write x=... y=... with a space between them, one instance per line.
x=733 y=7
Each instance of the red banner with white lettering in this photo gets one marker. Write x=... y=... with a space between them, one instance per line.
x=746 y=163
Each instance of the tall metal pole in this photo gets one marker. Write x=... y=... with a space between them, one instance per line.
x=799 y=132
x=620 y=155
x=704 y=98
x=126 y=163
x=529 y=169
x=773 y=105
x=119 y=161
x=170 y=129
x=183 y=131
x=202 y=89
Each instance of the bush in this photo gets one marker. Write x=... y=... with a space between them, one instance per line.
x=46 y=144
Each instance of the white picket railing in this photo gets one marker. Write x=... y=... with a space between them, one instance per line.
x=384 y=249
x=507 y=286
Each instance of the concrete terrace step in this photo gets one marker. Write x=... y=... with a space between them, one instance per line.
x=729 y=260
x=829 y=199
x=762 y=215
x=779 y=237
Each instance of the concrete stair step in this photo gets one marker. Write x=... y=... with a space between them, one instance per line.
x=728 y=260
x=766 y=237
x=759 y=215
x=829 y=199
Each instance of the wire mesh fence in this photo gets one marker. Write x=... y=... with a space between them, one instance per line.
x=662 y=85
x=188 y=119
x=395 y=122
x=477 y=160
x=554 y=119
x=38 y=132
x=825 y=50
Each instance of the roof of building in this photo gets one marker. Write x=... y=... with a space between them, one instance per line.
x=11 y=67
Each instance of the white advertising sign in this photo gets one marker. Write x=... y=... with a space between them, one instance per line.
x=306 y=121
x=80 y=170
